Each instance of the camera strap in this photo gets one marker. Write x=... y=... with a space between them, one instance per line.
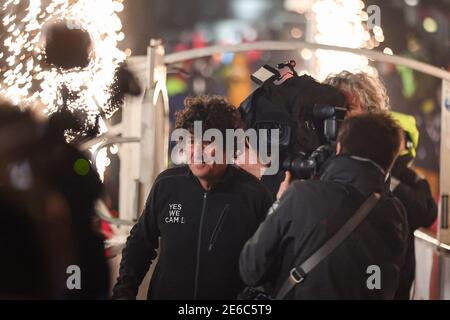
x=298 y=274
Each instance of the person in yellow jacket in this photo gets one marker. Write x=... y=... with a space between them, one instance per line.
x=414 y=193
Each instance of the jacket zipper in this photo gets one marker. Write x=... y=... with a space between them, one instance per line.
x=218 y=227
x=197 y=268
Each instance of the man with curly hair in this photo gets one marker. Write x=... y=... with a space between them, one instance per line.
x=363 y=92
x=199 y=216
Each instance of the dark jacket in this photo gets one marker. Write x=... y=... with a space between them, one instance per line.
x=415 y=194
x=310 y=213
x=201 y=236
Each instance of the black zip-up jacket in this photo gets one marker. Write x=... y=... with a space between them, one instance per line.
x=201 y=236
x=310 y=213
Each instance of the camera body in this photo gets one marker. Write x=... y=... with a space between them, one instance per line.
x=306 y=112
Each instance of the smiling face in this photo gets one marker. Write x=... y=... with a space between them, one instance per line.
x=202 y=162
x=212 y=113
x=209 y=172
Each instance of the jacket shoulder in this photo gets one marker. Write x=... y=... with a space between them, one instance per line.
x=318 y=187
x=249 y=181
x=390 y=201
x=171 y=174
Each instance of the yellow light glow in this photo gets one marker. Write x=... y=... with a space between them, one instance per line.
x=430 y=25
x=306 y=54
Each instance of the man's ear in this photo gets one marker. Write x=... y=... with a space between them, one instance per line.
x=338 y=148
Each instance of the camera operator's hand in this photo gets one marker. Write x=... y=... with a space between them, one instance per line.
x=403 y=173
x=284 y=185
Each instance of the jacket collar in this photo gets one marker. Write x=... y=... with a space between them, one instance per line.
x=363 y=174
x=225 y=180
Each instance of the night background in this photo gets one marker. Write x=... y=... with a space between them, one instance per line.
x=417 y=29
x=77 y=72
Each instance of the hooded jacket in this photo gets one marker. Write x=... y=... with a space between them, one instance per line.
x=201 y=236
x=310 y=213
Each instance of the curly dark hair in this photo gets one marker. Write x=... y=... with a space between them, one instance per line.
x=214 y=112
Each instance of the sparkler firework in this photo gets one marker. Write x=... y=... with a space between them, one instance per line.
x=25 y=77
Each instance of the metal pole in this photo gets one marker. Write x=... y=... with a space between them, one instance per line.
x=444 y=175
x=288 y=46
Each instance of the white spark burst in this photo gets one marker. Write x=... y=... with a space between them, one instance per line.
x=340 y=23
x=25 y=78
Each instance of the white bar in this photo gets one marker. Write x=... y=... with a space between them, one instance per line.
x=444 y=175
x=287 y=46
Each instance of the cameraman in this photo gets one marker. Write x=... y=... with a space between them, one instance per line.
x=365 y=93
x=415 y=194
x=305 y=112
x=311 y=212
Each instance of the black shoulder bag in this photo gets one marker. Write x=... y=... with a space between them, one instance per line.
x=298 y=274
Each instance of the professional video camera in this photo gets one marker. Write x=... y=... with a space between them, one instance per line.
x=306 y=112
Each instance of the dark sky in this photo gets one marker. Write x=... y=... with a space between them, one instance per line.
x=146 y=19
x=138 y=20
x=166 y=19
